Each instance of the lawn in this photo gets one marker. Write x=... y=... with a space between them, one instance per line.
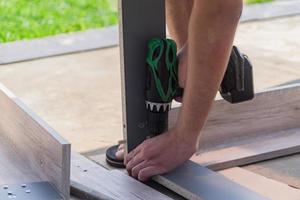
x=26 y=19
x=257 y=1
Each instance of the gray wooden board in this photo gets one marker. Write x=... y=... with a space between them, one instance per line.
x=285 y=169
x=101 y=160
x=237 y=134
x=199 y=183
x=140 y=21
x=99 y=183
x=30 y=149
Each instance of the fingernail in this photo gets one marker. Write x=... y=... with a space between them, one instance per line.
x=120 y=155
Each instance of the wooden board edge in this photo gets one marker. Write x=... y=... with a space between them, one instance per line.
x=66 y=170
x=196 y=182
x=251 y=152
x=175 y=188
x=83 y=192
x=122 y=69
x=61 y=183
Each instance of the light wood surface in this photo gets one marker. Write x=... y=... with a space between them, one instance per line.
x=284 y=169
x=267 y=187
x=88 y=176
x=252 y=150
x=247 y=132
x=30 y=149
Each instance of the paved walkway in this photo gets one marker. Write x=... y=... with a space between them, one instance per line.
x=79 y=95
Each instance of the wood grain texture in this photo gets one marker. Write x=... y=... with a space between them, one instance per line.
x=104 y=184
x=235 y=134
x=267 y=187
x=199 y=183
x=285 y=169
x=30 y=149
x=259 y=148
x=140 y=21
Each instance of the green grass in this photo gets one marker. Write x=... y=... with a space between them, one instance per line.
x=26 y=19
x=257 y=1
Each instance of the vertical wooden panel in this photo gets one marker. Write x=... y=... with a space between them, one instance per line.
x=140 y=21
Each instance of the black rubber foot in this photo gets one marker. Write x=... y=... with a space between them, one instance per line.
x=111 y=157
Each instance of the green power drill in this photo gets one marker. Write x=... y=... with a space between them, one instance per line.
x=162 y=81
x=162 y=86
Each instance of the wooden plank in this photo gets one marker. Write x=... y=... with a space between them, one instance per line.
x=285 y=169
x=199 y=183
x=259 y=148
x=267 y=187
x=179 y=189
x=233 y=130
x=88 y=176
x=30 y=149
x=140 y=21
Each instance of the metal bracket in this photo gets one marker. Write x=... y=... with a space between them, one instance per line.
x=29 y=191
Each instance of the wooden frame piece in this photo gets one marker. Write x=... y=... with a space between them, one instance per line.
x=30 y=151
x=238 y=134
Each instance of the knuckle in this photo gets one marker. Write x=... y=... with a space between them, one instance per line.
x=145 y=155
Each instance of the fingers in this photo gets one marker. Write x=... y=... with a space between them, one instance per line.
x=136 y=160
x=120 y=152
x=148 y=172
x=136 y=169
x=131 y=155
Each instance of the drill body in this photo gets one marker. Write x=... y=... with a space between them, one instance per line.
x=162 y=81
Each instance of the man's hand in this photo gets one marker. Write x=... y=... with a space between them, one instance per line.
x=159 y=155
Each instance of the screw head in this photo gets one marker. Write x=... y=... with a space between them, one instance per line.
x=23 y=185
x=5 y=187
x=27 y=191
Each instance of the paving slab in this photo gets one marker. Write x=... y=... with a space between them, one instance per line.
x=79 y=94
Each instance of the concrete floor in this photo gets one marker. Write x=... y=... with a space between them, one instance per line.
x=79 y=95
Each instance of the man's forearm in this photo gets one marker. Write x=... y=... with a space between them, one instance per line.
x=211 y=31
x=178 y=17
